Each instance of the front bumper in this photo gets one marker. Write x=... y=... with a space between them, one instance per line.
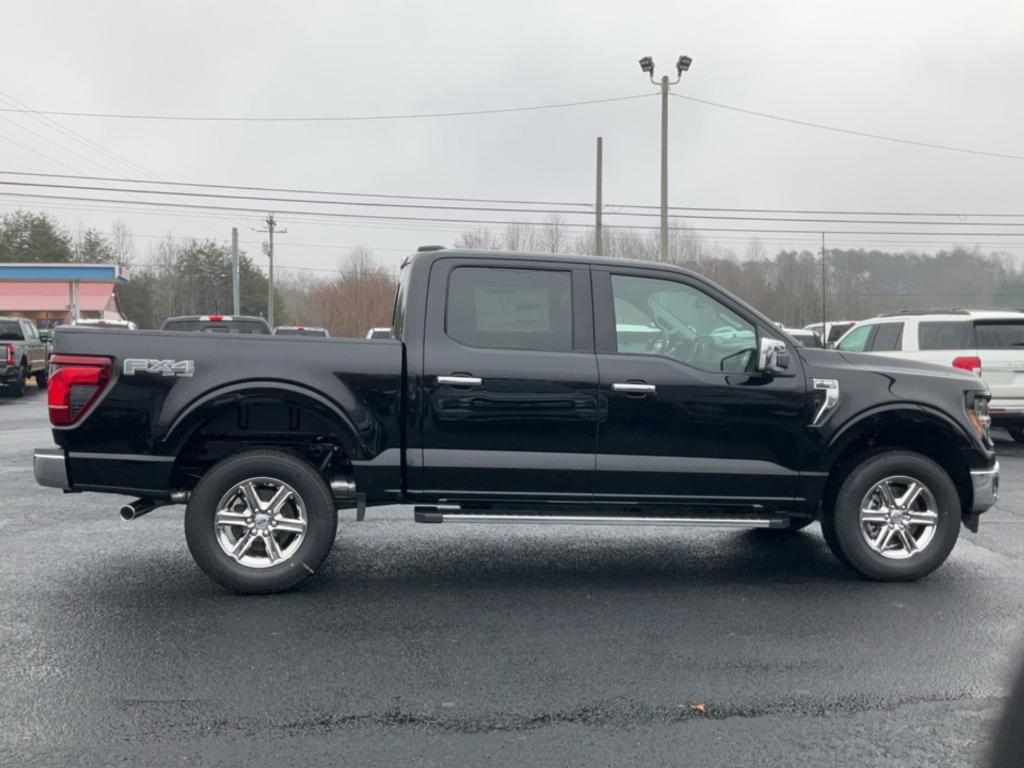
x=985 y=484
x=50 y=468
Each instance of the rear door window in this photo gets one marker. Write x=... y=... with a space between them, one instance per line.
x=1000 y=335
x=887 y=338
x=944 y=334
x=499 y=308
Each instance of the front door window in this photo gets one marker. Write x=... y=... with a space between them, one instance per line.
x=678 y=321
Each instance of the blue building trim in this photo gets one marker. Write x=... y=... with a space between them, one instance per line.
x=60 y=273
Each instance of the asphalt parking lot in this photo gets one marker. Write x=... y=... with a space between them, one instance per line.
x=472 y=645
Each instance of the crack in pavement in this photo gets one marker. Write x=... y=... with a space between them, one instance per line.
x=615 y=713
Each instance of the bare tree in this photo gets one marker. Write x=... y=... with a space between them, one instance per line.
x=122 y=243
x=553 y=236
x=755 y=251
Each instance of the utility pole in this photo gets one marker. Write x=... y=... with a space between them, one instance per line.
x=598 y=204
x=647 y=66
x=271 y=228
x=235 y=297
x=824 y=273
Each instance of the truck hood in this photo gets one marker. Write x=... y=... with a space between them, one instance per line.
x=905 y=376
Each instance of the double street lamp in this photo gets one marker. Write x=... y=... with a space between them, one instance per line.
x=682 y=65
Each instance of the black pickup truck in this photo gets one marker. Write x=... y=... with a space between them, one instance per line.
x=524 y=388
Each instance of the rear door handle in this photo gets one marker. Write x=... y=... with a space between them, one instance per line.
x=460 y=380
x=634 y=387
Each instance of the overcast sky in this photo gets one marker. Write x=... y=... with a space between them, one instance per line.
x=941 y=72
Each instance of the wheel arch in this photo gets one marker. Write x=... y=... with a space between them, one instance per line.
x=241 y=416
x=916 y=428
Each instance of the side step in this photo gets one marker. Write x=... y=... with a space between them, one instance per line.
x=454 y=514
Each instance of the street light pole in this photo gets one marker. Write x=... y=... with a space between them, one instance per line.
x=647 y=66
x=664 y=168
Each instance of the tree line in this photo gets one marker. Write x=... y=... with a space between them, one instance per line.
x=193 y=276
x=787 y=286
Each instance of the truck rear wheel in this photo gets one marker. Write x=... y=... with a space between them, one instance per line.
x=260 y=522
x=896 y=517
x=17 y=387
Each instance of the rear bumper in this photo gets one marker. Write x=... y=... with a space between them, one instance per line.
x=50 y=468
x=1006 y=412
x=985 y=484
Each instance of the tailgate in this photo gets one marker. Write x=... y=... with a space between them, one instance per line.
x=1000 y=345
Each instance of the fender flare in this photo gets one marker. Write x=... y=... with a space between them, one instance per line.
x=201 y=410
x=872 y=418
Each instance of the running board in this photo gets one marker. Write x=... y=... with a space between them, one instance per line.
x=454 y=515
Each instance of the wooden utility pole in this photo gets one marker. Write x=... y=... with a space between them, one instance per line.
x=271 y=228
x=599 y=205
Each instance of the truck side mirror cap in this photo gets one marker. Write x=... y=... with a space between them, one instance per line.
x=773 y=357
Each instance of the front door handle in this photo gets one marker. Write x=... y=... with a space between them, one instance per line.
x=634 y=387
x=460 y=380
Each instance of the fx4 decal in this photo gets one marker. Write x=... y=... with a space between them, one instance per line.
x=133 y=366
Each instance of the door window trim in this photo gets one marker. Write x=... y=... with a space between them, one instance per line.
x=581 y=300
x=605 y=337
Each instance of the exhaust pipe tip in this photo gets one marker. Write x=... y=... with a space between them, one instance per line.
x=137 y=509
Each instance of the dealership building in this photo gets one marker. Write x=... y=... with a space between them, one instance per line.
x=57 y=294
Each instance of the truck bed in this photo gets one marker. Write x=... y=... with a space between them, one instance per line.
x=166 y=385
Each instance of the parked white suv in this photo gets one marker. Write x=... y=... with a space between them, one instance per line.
x=987 y=342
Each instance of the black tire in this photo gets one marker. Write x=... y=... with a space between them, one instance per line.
x=316 y=498
x=17 y=387
x=1017 y=435
x=42 y=379
x=842 y=525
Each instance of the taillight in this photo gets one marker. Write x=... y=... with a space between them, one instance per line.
x=76 y=382
x=216 y=318
x=9 y=354
x=969 y=364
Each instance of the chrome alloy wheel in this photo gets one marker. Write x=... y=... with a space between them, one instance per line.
x=898 y=517
x=260 y=522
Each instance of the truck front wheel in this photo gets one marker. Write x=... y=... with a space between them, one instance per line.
x=260 y=522
x=896 y=517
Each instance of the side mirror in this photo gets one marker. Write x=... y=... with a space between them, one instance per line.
x=773 y=357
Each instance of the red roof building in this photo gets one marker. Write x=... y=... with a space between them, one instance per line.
x=49 y=301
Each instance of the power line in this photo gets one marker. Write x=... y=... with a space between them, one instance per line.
x=503 y=110
x=75 y=135
x=848 y=131
x=321 y=118
x=307 y=201
x=499 y=222
x=501 y=201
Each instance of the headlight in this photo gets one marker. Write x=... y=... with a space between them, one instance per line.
x=977 y=413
